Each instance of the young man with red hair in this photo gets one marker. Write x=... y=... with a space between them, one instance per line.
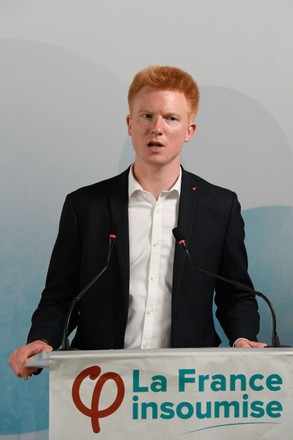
x=151 y=296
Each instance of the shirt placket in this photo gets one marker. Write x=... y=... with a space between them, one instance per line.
x=153 y=274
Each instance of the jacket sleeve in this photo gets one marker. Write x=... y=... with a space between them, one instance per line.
x=237 y=308
x=62 y=283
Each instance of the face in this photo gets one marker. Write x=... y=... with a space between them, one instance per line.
x=159 y=126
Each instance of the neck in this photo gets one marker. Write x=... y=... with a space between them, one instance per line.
x=156 y=180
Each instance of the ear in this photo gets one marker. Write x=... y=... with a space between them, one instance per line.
x=128 y=122
x=190 y=131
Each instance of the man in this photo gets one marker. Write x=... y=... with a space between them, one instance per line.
x=150 y=296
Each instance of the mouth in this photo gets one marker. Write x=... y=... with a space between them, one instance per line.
x=155 y=144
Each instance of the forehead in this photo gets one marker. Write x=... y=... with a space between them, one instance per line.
x=149 y=98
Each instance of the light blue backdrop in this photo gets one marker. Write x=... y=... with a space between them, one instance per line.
x=65 y=70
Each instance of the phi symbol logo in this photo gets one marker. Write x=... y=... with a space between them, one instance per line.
x=94 y=412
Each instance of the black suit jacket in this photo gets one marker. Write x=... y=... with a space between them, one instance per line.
x=210 y=218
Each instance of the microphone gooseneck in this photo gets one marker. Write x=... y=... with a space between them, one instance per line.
x=112 y=239
x=179 y=237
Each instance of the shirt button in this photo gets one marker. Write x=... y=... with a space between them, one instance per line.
x=155 y=244
x=153 y=278
x=145 y=345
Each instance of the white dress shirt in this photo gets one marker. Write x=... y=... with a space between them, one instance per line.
x=151 y=247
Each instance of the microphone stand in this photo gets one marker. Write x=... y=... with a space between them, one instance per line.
x=65 y=341
x=275 y=339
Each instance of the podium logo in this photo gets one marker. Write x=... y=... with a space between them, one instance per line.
x=94 y=412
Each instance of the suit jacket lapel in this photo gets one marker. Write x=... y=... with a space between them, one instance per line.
x=187 y=210
x=118 y=203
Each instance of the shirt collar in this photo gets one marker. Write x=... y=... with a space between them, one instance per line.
x=134 y=186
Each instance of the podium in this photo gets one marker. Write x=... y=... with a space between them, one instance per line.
x=218 y=393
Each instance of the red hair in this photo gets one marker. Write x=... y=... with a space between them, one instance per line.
x=166 y=78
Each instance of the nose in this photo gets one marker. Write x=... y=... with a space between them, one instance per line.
x=157 y=126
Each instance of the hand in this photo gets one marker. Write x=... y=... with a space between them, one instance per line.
x=245 y=343
x=20 y=355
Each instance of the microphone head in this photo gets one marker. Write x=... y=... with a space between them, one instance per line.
x=113 y=230
x=178 y=234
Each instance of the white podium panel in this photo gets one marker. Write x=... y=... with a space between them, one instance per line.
x=243 y=394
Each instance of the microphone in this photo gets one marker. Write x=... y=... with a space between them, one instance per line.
x=112 y=238
x=179 y=237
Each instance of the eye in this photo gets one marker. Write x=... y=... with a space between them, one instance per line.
x=147 y=116
x=172 y=118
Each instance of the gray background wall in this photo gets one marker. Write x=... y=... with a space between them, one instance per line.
x=65 y=69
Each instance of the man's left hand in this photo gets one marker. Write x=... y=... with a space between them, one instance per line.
x=245 y=343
